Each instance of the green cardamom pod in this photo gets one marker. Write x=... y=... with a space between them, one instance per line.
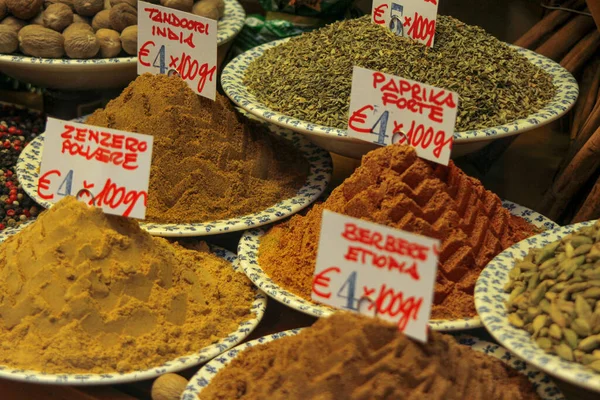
x=544 y=342
x=515 y=320
x=533 y=281
x=589 y=343
x=571 y=338
x=545 y=306
x=548 y=264
x=584 y=249
x=546 y=252
x=579 y=240
x=539 y=322
x=514 y=273
x=555 y=332
x=557 y=316
x=581 y=327
x=564 y=351
x=591 y=293
x=582 y=308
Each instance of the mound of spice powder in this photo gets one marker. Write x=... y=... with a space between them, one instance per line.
x=394 y=187
x=207 y=164
x=85 y=292
x=349 y=356
x=310 y=76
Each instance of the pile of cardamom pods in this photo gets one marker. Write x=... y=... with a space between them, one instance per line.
x=555 y=296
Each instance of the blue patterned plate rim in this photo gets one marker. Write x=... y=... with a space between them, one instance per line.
x=229 y=26
x=566 y=86
x=258 y=308
x=544 y=386
x=248 y=256
x=489 y=302
x=321 y=167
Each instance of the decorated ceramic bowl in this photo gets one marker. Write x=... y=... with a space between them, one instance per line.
x=545 y=388
x=248 y=256
x=318 y=178
x=101 y=73
x=490 y=303
x=257 y=308
x=337 y=140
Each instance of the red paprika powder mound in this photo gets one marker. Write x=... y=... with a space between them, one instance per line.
x=394 y=187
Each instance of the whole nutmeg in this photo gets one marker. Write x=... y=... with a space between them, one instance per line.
x=88 y=8
x=213 y=9
x=9 y=41
x=110 y=42
x=168 y=387
x=38 y=19
x=58 y=16
x=121 y=16
x=101 y=20
x=15 y=23
x=75 y=26
x=37 y=41
x=81 y=43
x=24 y=9
x=82 y=20
x=3 y=9
x=132 y=3
x=129 y=39
x=183 y=5
x=48 y=3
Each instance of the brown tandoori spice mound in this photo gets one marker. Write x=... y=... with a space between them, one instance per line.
x=396 y=188
x=207 y=164
x=85 y=292
x=349 y=356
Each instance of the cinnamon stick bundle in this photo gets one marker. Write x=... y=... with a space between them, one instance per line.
x=576 y=174
x=591 y=206
x=591 y=124
x=565 y=38
x=581 y=52
x=548 y=24
x=588 y=90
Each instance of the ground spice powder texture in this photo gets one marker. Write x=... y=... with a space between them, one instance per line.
x=348 y=356
x=394 y=187
x=207 y=163
x=85 y=292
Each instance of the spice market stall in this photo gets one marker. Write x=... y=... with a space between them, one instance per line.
x=139 y=244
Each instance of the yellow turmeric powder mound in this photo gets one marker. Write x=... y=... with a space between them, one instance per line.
x=85 y=292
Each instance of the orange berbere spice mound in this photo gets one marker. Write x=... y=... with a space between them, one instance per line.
x=394 y=187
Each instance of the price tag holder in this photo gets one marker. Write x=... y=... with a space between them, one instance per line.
x=377 y=271
x=386 y=109
x=104 y=167
x=414 y=19
x=176 y=42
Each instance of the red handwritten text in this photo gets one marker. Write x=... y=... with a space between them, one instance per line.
x=421 y=136
x=392 y=303
x=171 y=19
x=388 y=243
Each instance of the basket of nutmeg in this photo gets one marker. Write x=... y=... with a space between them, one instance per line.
x=88 y=44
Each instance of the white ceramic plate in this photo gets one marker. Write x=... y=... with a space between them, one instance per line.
x=490 y=304
x=545 y=388
x=258 y=307
x=319 y=176
x=337 y=140
x=248 y=256
x=104 y=73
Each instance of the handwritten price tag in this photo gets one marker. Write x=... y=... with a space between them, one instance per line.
x=103 y=167
x=386 y=109
x=414 y=19
x=172 y=41
x=377 y=271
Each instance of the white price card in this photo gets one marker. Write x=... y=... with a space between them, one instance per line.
x=377 y=271
x=104 y=167
x=386 y=109
x=409 y=18
x=176 y=42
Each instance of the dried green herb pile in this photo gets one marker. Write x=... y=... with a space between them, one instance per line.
x=310 y=76
x=555 y=296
